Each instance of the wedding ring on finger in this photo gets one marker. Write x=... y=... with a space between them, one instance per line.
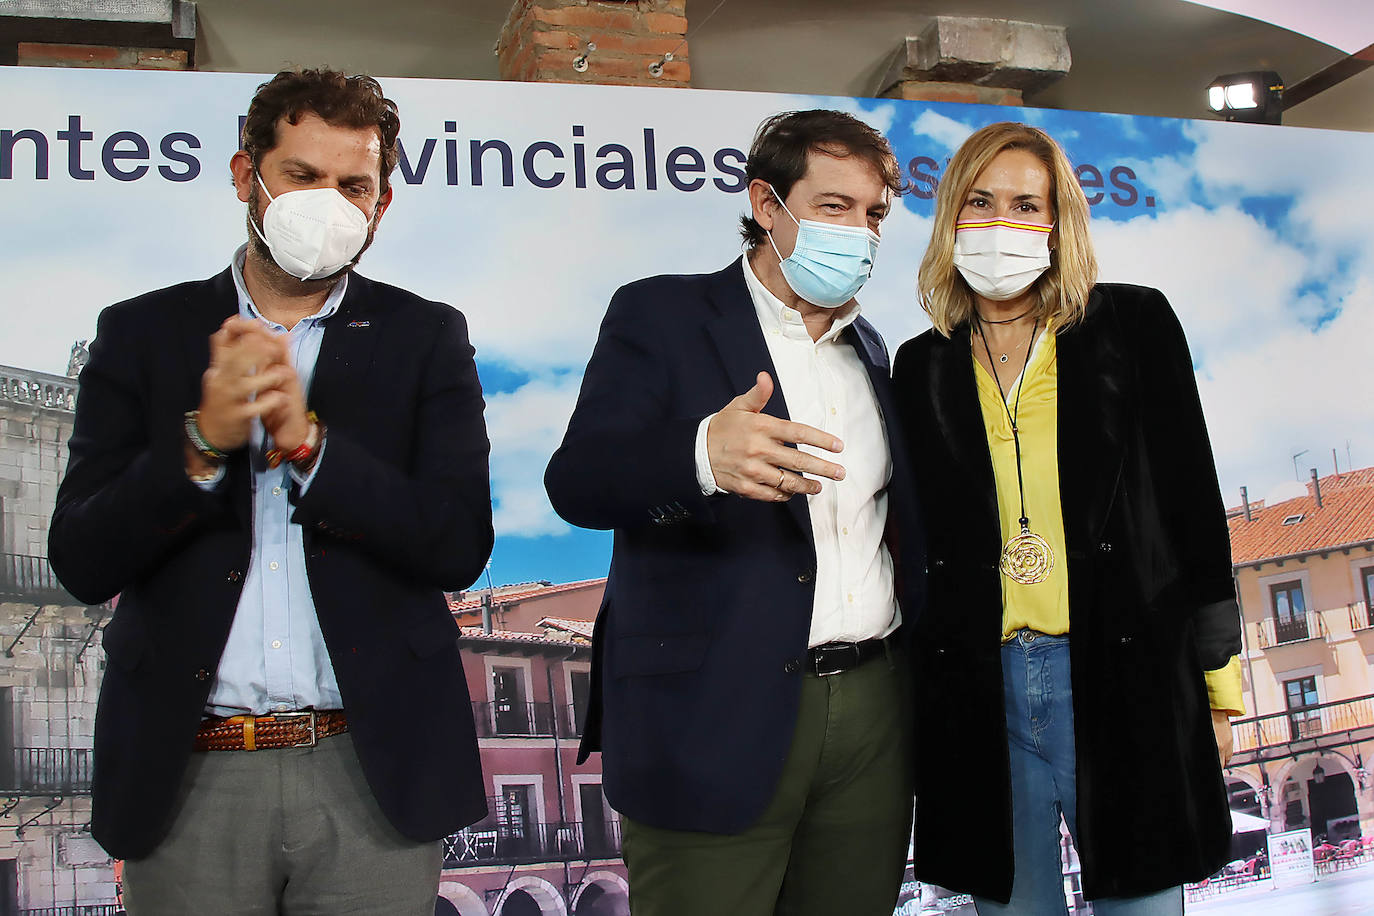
x=782 y=478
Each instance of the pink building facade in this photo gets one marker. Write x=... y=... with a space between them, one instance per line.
x=550 y=843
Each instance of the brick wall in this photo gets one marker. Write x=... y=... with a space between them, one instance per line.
x=46 y=54
x=547 y=41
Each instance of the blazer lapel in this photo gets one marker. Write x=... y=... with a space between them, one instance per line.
x=739 y=341
x=959 y=418
x=1094 y=378
x=346 y=353
x=869 y=346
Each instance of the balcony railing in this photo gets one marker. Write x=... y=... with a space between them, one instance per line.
x=46 y=771
x=31 y=579
x=1323 y=725
x=503 y=840
x=1274 y=631
x=38 y=388
x=571 y=720
x=527 y=720
x=502 y=719
x=81 y=909
x=1361 y=616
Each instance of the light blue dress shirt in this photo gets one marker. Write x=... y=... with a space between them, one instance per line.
x=276 y=659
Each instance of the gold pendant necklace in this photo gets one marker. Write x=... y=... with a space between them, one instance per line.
x=1026 y=557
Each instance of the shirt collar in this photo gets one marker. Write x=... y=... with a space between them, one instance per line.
x=775 y=317
x=248 y=310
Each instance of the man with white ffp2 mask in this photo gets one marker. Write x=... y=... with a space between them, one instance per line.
x=280 y=470
x=749 y=696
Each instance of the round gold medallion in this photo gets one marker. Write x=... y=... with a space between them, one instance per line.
x=1027 y=558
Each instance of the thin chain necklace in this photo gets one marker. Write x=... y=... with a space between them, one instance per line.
x=983 y=321
x=1026 y=557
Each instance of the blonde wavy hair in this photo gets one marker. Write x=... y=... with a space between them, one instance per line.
x=1062 y=289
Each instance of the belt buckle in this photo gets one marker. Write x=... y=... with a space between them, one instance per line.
x=309 y=715
x=824 y=652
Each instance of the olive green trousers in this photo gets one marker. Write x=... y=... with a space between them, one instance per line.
x=834 y=839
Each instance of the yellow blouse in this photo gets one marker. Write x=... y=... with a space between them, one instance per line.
x=1044 y=606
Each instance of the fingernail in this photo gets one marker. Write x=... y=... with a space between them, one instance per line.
x=840 y=476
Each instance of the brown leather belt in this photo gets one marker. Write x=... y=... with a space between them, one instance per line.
x=280 y=729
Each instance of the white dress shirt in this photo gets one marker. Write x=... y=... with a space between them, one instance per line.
x=826 y=386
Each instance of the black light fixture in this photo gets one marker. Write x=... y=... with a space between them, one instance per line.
x=1255 y=97
x=1318 y=774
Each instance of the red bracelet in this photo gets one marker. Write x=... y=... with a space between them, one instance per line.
x=302 y=452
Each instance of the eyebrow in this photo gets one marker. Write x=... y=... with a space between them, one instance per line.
x=312 y=171
x=848 y=201
x=981 y=193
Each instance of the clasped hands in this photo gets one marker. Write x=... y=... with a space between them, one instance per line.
x=251 y=377
x=750 y=455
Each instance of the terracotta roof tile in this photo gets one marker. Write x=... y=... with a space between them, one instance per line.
x=582 y=628
x=536 y=590
x=513 y=636
x=1345 y=517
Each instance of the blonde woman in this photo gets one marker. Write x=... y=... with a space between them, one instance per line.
x=1076 y=655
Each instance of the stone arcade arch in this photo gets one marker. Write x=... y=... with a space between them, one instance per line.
x=463 y=900
x=530 y=896
x=601 y=893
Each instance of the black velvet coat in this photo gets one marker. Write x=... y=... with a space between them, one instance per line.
x=1151 y=605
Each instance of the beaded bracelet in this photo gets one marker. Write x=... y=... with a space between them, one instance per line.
x=198 y=440
x=300 y=453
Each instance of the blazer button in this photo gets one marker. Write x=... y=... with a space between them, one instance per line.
x=203 y=674
x=792 y=666
x=234 y=576
x=939 y=564
x=804 y=576
x=1105 y=547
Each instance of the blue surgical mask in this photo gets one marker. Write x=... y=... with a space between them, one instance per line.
x=830 y=263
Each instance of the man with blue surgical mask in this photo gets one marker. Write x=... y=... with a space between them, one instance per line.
x=280 y=470
x=749 y=679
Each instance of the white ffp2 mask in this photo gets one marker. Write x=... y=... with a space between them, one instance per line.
x=1001 y=258
x=313 y=232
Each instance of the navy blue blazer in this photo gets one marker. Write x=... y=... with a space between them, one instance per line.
x=399 y=510
x=707 y=611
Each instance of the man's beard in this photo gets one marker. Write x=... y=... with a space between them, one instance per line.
x=280 y=277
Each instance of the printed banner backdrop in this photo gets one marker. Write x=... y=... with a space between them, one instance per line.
x=527 y=205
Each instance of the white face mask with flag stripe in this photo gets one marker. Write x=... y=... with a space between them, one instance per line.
x=1001 y=258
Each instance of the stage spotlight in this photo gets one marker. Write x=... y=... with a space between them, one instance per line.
x=1255 y=97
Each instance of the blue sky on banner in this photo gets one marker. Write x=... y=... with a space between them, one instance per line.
x=1257 y=235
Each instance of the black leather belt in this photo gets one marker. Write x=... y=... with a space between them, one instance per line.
x=835 y=657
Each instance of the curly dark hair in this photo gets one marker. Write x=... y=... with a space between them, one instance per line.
x=782 y=143
x=338 y=99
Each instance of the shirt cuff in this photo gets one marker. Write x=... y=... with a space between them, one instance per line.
x=209 y=486
x=1223 y=688
x=706 y=479
x=303 y=480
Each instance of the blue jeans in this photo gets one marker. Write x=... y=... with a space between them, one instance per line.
x=1039 y=704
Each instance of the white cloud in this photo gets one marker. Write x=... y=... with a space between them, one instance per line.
x=525 y=427
x=1271 y=386
x=889 y=297
x=942 y=129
